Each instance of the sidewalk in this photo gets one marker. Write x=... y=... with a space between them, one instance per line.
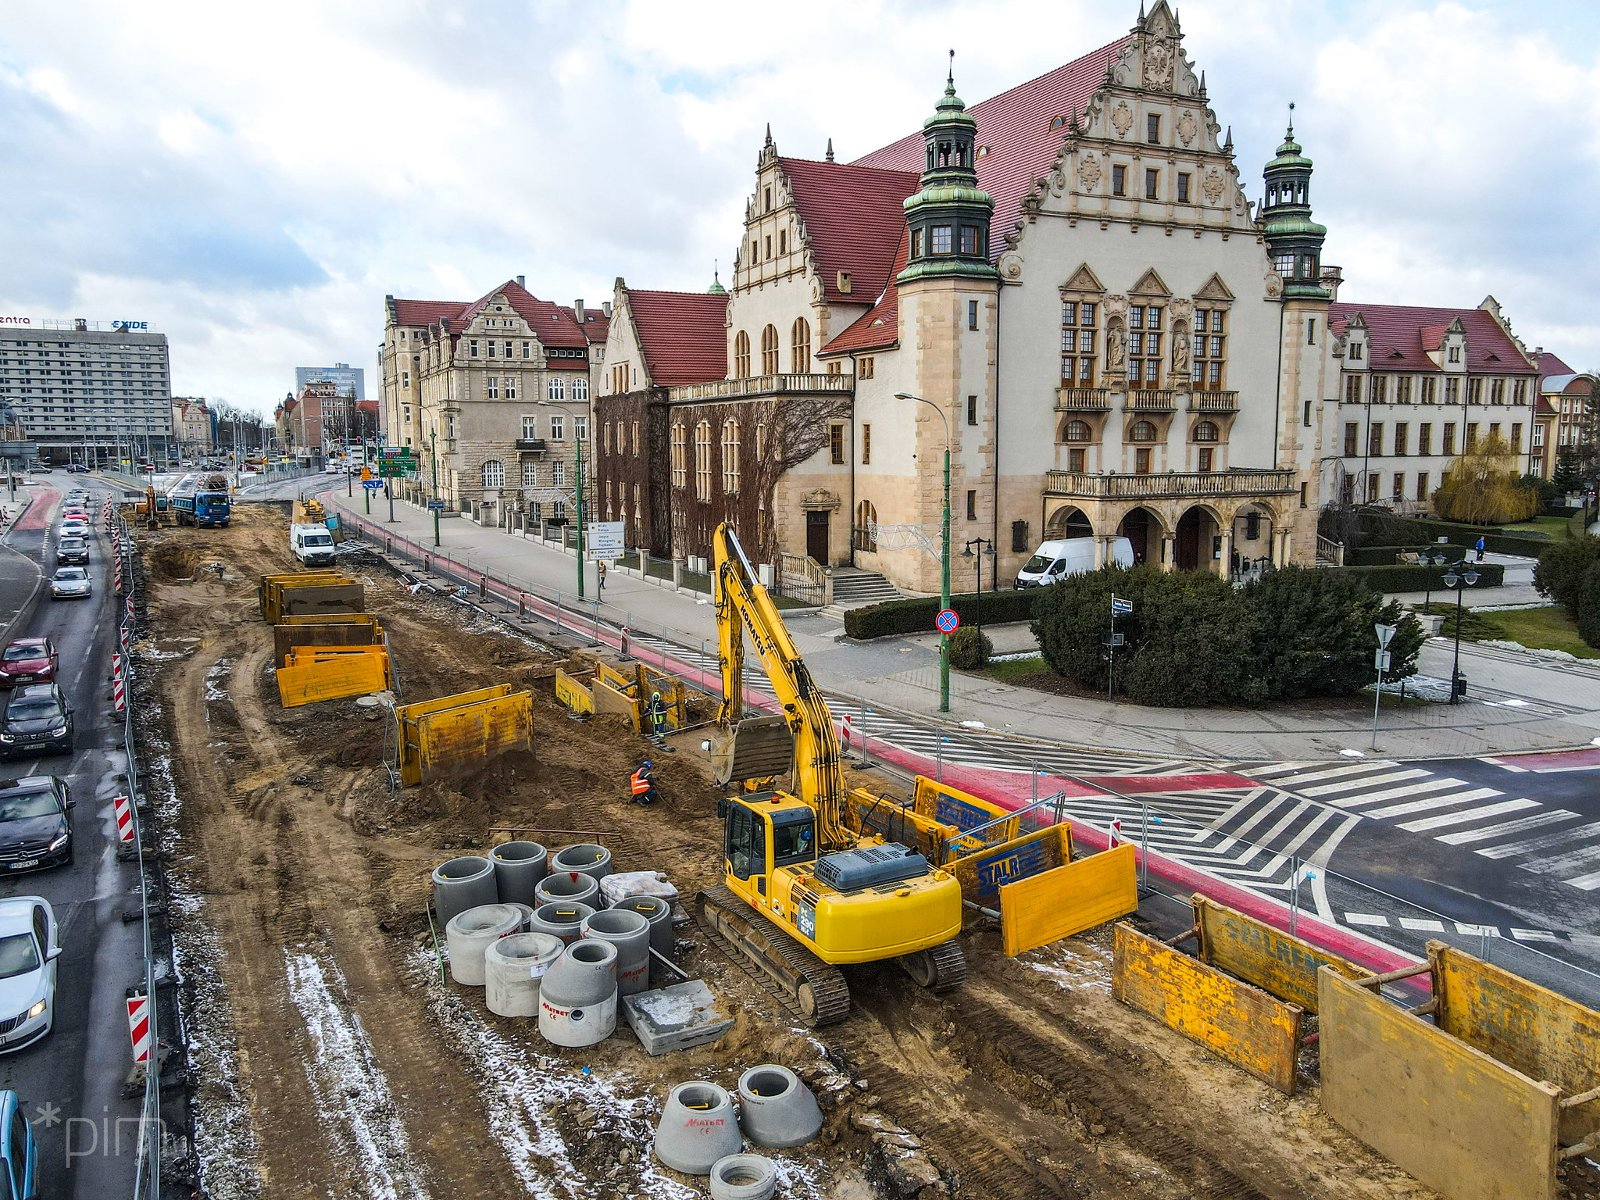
x=1514 y=703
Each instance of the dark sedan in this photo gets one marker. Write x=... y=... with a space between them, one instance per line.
x=37 y=720
x=35 y=823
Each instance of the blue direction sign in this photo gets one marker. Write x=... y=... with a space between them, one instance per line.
x=372 y=485
x=436 y=505
x=1120 y=607
x=947 y=621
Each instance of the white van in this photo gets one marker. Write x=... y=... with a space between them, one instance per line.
x=1070 y=556
x=311 y=544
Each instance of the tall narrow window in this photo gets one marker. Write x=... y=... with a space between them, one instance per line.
x=1152 y=183
x=1152 y=128
x=1425 y=438
x=1402 y=437
x=1449 y=437
x=866 y=444
x=1422 y=485
x=972 y=410
x=558 y=429
x=1375 y=439
x=769 y=351
x=972 y=505
x=1210 y=348
x=1119 y=180
x=1144 y=344
x=1141 y=461
x=836 y=444
x=702 y=461
x=1079 y=342
x=741 y=355
x=1183 y=187
x=730 y=456
x=800 y=356
x=680 y=455
x=530 y=429
x=972 y=314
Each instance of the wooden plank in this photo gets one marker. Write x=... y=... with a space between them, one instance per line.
x=1471 y=1127
x=1239 y=1023
x=1056 y=904
x=1275 y=961
x=1529 y=1028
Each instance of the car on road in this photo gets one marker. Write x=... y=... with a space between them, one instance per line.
x=74 y=527
x=71 y=583
x=41 y=469
x=30 y=944
x=19 y=1152
x=78 y=495
x=36 y=720
x=78 y=469
x=35 y=823
x=74 y=512
x=28 y=660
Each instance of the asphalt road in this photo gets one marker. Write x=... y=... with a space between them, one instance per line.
x=71 y=1081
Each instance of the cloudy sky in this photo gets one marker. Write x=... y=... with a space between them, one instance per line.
x=253 y=179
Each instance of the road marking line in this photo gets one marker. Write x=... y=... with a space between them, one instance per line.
x=1324 y=852
x=1411 y=789
x=1421 y=925
x=1504 y=829
x=1454 y=798
x=1369 y=781
x=1566 y=836
x=1587 y=883
x=1268 y=810
x=1293 y=816
x=1321 y=819
x=1561 y=863
x=1471 y=814
x=1333 y=773
x=1375 y=922
x=1534 y=935
x=1281 y=768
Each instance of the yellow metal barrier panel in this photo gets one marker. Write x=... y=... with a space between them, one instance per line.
x=421 y=708
x=962 y=810
x=1045 y=908
x=1237 y=1022
x=982 y=873
x=573 y=693
x=474 y=732
x=1450 y=1115
x=310 y=678
x=1275 y=961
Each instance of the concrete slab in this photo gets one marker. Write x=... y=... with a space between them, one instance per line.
x=676 y=1017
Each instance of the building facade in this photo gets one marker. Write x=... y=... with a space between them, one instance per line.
x=1567 y=401
x=493 y=397
x=192 y=422
x=349 y=380
x=82 y=388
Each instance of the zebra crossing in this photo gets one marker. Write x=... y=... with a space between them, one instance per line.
x=1500 y=826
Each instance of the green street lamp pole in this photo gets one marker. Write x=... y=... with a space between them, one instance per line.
x=944 y=554
x=433 y=463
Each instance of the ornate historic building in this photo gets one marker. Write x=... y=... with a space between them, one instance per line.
x=493 y=397
x=1566 y=398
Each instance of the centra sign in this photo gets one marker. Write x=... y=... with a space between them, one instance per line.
x=130 y=325
x=16 y=320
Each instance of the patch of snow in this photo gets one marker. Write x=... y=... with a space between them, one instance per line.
x=1081 y=970
x=216 y=677
x=972 y=725
x=1518 y=647
x=347 y=1085
x=1348 y=753
x=1013 y=656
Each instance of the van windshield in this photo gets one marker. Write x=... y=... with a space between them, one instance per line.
x=318 y=539
x=1037 y=565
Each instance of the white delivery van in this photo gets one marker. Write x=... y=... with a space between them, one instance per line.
x=1070 y=556
x=311 y=544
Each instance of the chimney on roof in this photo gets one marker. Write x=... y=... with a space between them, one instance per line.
x=522 y=282
x=577 y=311
x=605 y=307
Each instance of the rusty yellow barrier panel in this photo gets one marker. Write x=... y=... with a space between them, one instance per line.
x=266 y=583
x=982 y=873
x=867 y=812
x=608 y=698
x=573 y=693
x=471 y=726
x=1056 y=904
x=1239 y=1023
x=1459 y=1121
x=327 y=632
x=1523 y=1025
x=1275 y=961
x=311 y=592
x=307 y=678
x=360 y=618
x=962 y=810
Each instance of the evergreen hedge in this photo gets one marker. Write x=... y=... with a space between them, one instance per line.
x=1409 y=578
x=916 y=616
x=1415 y=532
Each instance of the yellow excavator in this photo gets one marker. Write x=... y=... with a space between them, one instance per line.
x=803 y=893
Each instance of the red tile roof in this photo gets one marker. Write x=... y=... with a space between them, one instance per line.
x=879 y=327
x=854 y=216
x=682 y=335
x=1015 y=142
x=553 y=324
x=1400 y=335
x=1549 y=364
x=425 y=312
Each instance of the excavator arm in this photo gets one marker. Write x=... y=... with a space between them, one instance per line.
x=803 y=737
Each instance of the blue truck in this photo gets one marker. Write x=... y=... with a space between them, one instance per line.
x=202 y=501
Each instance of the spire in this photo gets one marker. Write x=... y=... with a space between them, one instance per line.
x=716 y=288
x=1227 y=146
x=769 y=133
x=1289 y=137
x=829 y=156
x=1141 y=14
x=1202 y=81
x=1072 y=121
x=950 y=80
x=949 y=217
x=1293 y=239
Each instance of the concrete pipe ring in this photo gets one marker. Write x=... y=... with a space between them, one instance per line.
x=514 y=967
x=463 y=883
x=697 y=1129
x=630 y=933
x=594 y=861
x=744 y=1177
x=571 y=887
x=578 y=998
x=518 y=868
x=658 y=912
x=560 y=918
x=469 y=934
x=776 y=1109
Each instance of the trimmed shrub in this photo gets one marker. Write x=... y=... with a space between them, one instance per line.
x=916 y=616
x=1193 y=638
x=1313 y=634
x=969 y=649
x=1417 y=578
x=1414 y=532
x=1562 y=571
x=1588 y=614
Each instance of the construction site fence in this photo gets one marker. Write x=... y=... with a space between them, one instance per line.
x=147 y=1173
x=1308 y=890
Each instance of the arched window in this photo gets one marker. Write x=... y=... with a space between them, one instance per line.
x=866 y=530
x=1206 y=431
x=801 y=355
x=1142 y=431
x=769 y=351
x=555 y=388
x=680 y=455
x=730 y=456
x=741 y=355
x=494 y=474
x=702 y=461
x=1076 y=431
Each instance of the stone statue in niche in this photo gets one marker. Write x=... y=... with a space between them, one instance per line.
x=1180 y=352
x=1116 y=345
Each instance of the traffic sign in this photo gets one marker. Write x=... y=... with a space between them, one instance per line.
x=947 y=621
x=603 y=540
x=436 y=505
x=372 y=485
x=1385 y=635
x=1120 y=607
x=366 y=474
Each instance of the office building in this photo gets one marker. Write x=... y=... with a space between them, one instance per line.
x=343 y=376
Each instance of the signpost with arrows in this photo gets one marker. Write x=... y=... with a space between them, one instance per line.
x=1120 y=607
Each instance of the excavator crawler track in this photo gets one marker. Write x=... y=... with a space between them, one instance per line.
x=809 y=988
x=940 y=969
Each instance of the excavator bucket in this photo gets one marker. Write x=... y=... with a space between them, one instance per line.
x=755 y=748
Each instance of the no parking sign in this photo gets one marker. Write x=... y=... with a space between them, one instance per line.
x=947 y=621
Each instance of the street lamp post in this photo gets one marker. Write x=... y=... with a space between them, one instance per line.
x=577 y=438
x=1466 y=579
x=985 y=547
x=944 y=554
x=433 y=464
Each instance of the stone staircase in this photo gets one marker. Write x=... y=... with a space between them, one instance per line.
x=857 y=589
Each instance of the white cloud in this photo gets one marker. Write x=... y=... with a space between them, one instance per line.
x=254 y=181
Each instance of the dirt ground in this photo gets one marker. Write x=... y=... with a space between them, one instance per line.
x=333 y=1062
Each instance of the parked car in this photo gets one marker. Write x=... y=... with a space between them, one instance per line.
x=36 y=720
x=28 y=660
x=35 y=823
x=78 y=469
x=19 y=1153
x=41 y=469
x=71 y=583
x=30 y=944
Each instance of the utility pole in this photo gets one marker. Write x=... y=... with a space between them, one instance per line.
x=433 y=462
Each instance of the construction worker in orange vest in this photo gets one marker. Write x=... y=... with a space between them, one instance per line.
x=643 y=784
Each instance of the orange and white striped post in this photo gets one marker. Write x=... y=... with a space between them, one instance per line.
x=123 y=808
x=119 y=685
x=139 y=1026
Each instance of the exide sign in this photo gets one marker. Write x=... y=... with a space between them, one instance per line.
x=130 y=325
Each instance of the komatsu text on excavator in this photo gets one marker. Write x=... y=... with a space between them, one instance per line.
x=804 y=893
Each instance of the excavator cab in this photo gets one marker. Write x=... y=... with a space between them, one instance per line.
x=760 y=836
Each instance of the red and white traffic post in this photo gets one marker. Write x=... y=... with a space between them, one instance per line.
x=123 y=808
x=139 y=1026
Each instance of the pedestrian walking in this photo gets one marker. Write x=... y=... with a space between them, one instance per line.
x=1480 y=547
x=642 y=784
x=600 y=575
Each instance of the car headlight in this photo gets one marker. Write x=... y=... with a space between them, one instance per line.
x=62 y=732
x=60 y=841
x=6 y=739
x=37 y=1009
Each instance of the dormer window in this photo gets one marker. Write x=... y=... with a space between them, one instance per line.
x=1358 y=351
x=1455 y=354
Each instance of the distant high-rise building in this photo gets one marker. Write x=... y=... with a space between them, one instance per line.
x=80 y=388
x=341 y=375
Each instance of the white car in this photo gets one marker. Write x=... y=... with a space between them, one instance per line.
x=72 y=528
x=29 y=947
x=71 y=583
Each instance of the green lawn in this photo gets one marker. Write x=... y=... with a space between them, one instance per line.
x=1013 y=669
x=1551 y=527
x=1536 y=628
